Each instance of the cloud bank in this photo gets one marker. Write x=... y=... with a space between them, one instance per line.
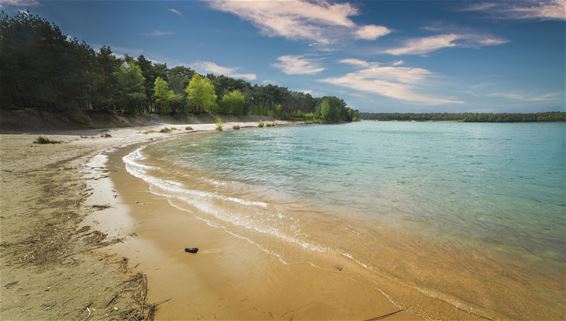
x=400 y=83
x=213 y=68
x=539 y=10
x=426 y=45
x=315 y=21
x=298 y=65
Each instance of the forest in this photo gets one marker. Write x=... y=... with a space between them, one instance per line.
x=468 y=117
x=42 y=67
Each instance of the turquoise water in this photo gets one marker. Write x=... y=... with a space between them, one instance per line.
x=496 y=185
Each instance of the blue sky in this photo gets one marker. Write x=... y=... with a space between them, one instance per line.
x=386 y=56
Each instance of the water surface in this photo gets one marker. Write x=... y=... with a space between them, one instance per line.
x=490 y=196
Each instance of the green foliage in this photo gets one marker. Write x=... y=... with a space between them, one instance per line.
x=130 y=94
x=233 y=103
x=43 y=140
x=189 y=128
x=236 y=127
x=42 y=67
x=200 y=95
x=325 y=112
x=467 y=117
x=260 y=124
x=163 y=96
x=219 y=124
x=165 y=130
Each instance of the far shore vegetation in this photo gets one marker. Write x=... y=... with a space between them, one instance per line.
x=468 y=117
x=44 y=68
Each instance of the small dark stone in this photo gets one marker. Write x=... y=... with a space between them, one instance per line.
x=339 y=267
x=191 y=249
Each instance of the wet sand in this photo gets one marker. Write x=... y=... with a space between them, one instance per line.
x=230 y=278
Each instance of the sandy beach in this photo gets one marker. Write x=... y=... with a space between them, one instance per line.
x=84 y=239
x=81 y=240
x=55 y=261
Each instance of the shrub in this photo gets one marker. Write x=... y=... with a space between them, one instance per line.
x=236 y=127
x=189 y=128
x=106 y=135
x=165 y=130
x=44 y=140
x=260 y=124
x=219 y=124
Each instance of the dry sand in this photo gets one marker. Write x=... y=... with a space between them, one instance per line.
x=53 y=265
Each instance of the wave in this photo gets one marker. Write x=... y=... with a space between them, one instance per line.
x=204 y=202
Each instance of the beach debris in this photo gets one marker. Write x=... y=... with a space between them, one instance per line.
x=191 y=250
x=381 y=317
x=339 y=267
x=106 y=135
x=100 y=207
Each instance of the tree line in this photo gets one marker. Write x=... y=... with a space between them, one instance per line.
x=41 y=67
x=467 y=117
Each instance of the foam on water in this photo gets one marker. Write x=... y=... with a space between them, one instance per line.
x=204 y=202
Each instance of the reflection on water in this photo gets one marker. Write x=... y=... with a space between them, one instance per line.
x=470 y=213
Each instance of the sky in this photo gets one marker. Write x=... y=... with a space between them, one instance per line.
x=379 y=56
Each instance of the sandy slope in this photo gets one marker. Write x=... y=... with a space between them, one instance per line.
x=50 y=263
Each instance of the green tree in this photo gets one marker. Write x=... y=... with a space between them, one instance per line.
x=130 y=87
x=233 y=103
x=163 y=96
x=200 y=95
x=325 y=110
x=107 y=64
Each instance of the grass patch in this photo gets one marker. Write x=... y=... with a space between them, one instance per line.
x=165 y=130
x=44 y=140
x=261 y=124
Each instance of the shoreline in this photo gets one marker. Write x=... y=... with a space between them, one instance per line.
x=51 y=252
x=418 y=297
x=222 y=271
x=138 y=236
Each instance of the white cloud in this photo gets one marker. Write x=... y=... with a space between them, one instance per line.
x=20 y=3
x=298 y=65
x=157 y=33
x=398 y=62
x=530 y=9
x=175 y=11
x=371 y=32
x=399 y=83
x=354 y=62
x=516 y=95
x=425 y=45
x=211 y=67
x=319 y=21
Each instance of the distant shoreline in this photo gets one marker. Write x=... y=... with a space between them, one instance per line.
x=554 y=116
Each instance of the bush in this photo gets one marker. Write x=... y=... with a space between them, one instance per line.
x=189 y=128
x=106 y=135
x=219 y=124
x=165 y=130
x=236 y=127
x=43 y=140
x=260 y=124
